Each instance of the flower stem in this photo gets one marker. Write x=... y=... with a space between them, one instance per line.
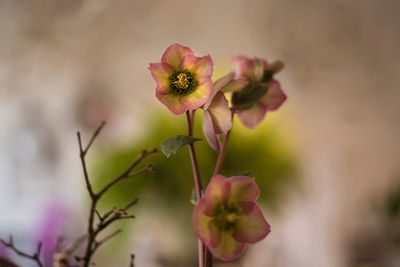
x=197 y=180
x=221 y=154
x=222 y=151
x=217 y=169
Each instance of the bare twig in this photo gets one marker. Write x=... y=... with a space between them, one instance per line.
x=131 y=204
x=97 y=244
x=98 y=215
x=34 y=257
x=75 y=245
x=127 y=173
x=95 y=134
x=113 y=215
x=95 y=226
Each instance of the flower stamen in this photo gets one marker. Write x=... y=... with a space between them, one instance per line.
x=227 y=216
x=182 y=82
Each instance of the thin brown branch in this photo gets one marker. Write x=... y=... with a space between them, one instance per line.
x=82 y=154
x=97 y=244
x=114 y=219
x=123 y=211
x=98 y=215
x=94 y=229
x=127 y=172
x=34 y=257
x=94 y=136
x=131 y=204
x=75 y=245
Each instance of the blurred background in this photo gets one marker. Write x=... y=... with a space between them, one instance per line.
x=327 y=162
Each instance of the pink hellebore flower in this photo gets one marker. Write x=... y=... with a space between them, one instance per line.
x=227 y=217
x=260 y=93
x=217 y=117
x=183 y=79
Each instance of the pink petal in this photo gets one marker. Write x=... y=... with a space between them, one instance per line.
x=174 y=54
x=198 y=97
x=252 y=117
x=244 y=67
x=203 y=226
x=218 y=189
x=243 y=188
x=274 y=97
x=228 y=248
x=251 y=69
x=208 y=130
x=161 y=73
x=172 y=102
x=252 y=226
x=217 y=86
x=221 y=114
x=235 y=85
x=202 y=67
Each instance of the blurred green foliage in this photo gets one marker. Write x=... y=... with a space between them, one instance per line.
x=392 y=210
x=260 y=152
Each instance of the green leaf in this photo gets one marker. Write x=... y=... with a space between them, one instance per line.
x=193 y=198
x=172 y=144
x=246 y=98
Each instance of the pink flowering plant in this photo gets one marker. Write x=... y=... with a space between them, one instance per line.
x=226 y=217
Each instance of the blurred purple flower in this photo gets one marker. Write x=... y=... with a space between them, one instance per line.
x=52 y=225
x=3 y=251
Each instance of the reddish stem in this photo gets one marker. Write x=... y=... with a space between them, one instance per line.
x=221 y=154
x=217 y=169
x=197 y=180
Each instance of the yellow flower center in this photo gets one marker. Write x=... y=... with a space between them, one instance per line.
x=227 y=216
x=182 y=82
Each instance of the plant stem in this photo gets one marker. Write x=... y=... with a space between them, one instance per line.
x=193 y=158
x=197 y=180
x=221 y=154
x=217 y=169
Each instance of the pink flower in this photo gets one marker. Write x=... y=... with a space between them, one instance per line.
x=227 y=217
x=183 y=79
x=260 y=91
x=217 y=117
